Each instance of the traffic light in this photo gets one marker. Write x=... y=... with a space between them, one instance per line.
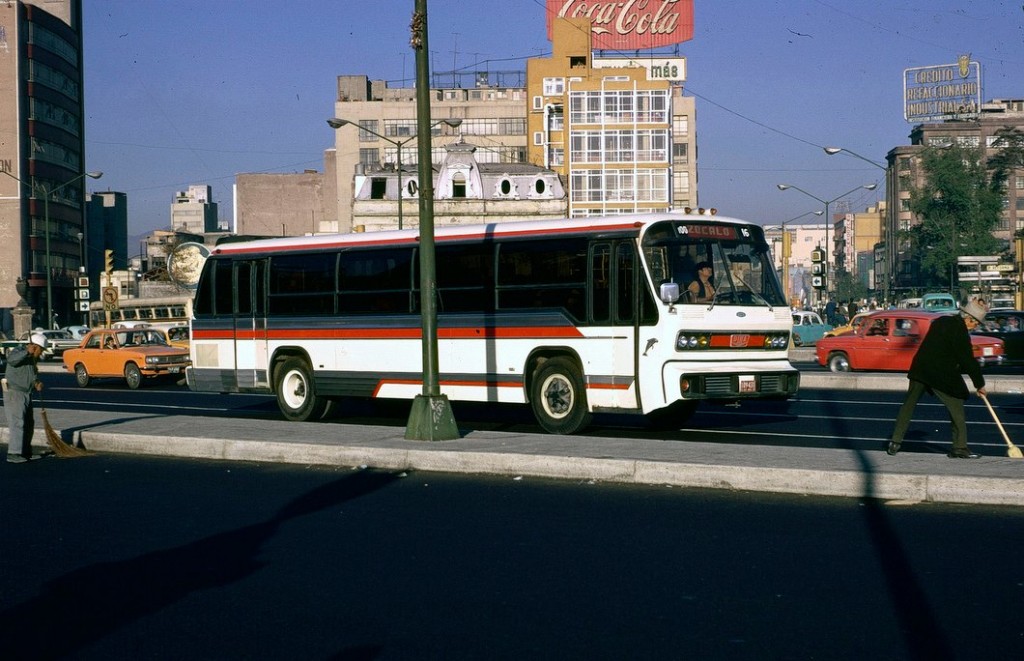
x=108 y=261
x=819 y=269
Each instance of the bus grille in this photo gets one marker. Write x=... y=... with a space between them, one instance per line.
x=726 y=384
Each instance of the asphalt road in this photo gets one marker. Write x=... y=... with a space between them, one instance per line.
x=119 y=557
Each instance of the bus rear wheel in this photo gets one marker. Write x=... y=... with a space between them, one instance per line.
x=296 y=394
x=559 y=398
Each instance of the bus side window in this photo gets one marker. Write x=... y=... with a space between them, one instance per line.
x=223 y=290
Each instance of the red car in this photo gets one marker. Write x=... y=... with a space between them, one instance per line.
x=888 y=340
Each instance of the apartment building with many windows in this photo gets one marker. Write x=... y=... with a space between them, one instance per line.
x=618 y=130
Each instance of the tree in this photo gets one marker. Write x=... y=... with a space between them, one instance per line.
x=848 y=287
x=959 y=205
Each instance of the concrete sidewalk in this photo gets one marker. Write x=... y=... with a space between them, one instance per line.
x=909 y=476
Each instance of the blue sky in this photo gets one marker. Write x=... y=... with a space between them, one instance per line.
x=189 y=92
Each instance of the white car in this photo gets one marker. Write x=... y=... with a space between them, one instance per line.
x=58 y=341
x=77 y=332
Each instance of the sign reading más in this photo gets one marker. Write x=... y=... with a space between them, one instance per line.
x=943 y=92
x=629 y=24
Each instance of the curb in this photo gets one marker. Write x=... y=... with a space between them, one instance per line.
x=820 y=482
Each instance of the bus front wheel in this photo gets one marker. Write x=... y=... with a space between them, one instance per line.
x=296 y=394
x=559 y=397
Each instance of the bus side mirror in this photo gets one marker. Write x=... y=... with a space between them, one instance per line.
x=669 y=292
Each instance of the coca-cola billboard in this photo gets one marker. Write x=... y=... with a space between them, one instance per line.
x=629 y=24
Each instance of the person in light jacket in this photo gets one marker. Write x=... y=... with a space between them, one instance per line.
x=21 y=379
x=944 y=356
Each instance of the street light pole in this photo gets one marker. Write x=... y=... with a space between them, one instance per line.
x=431 y=417
x=37 y=188
x=890 y=211
x=337 y=122
x=828 y=220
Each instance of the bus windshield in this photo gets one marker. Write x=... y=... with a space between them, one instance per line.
x=742 y=272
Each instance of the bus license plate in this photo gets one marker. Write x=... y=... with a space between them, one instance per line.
x=748 y=383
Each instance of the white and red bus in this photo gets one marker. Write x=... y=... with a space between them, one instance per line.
x=571 y=316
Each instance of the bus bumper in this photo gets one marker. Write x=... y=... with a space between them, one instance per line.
x=730 y=381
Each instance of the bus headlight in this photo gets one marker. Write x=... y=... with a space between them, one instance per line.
x=687 y=342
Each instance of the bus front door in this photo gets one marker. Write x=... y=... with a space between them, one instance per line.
x=251 y=346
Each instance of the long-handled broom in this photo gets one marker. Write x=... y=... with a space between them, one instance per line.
x=1012 y=450
x=56 y=443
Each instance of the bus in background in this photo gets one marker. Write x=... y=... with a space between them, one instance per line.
x=164 y=311
x=571 y=316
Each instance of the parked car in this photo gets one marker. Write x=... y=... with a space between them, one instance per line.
x=850 y=326
x=59 y=341
x=888 y=339
x=808 y=328
x=132 y=354
x=1008 y=326
x=77 y=332
x=177 y=336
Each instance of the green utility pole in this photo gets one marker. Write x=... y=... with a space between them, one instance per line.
x=431 y=418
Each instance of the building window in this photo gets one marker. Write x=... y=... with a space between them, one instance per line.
x=369 y=156
x=680 y=125
x=554 y=86
x=378 y=188
x=399 y=128
x=459 y=185
x=1019 y=182
x=619 y=107
x=680 y=153
x=626 y=146
x=538 y=138
x=365 y=126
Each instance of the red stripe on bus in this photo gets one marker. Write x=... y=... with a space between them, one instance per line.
x=608 y=386
x=390 y=333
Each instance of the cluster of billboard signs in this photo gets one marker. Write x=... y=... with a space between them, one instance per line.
x=943 y=92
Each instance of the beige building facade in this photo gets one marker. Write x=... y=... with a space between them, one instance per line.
x=280 y=204
x=382 y=123
x=465 y=192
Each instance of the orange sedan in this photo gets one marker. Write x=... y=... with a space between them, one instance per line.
x=131 y=354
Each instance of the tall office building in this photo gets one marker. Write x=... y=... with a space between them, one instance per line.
x=193 y=211
x=42 y=156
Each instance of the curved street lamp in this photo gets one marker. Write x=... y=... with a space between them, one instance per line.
x=46 y=193
x=337 y=123
x=890 y=210
x=828 y=220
